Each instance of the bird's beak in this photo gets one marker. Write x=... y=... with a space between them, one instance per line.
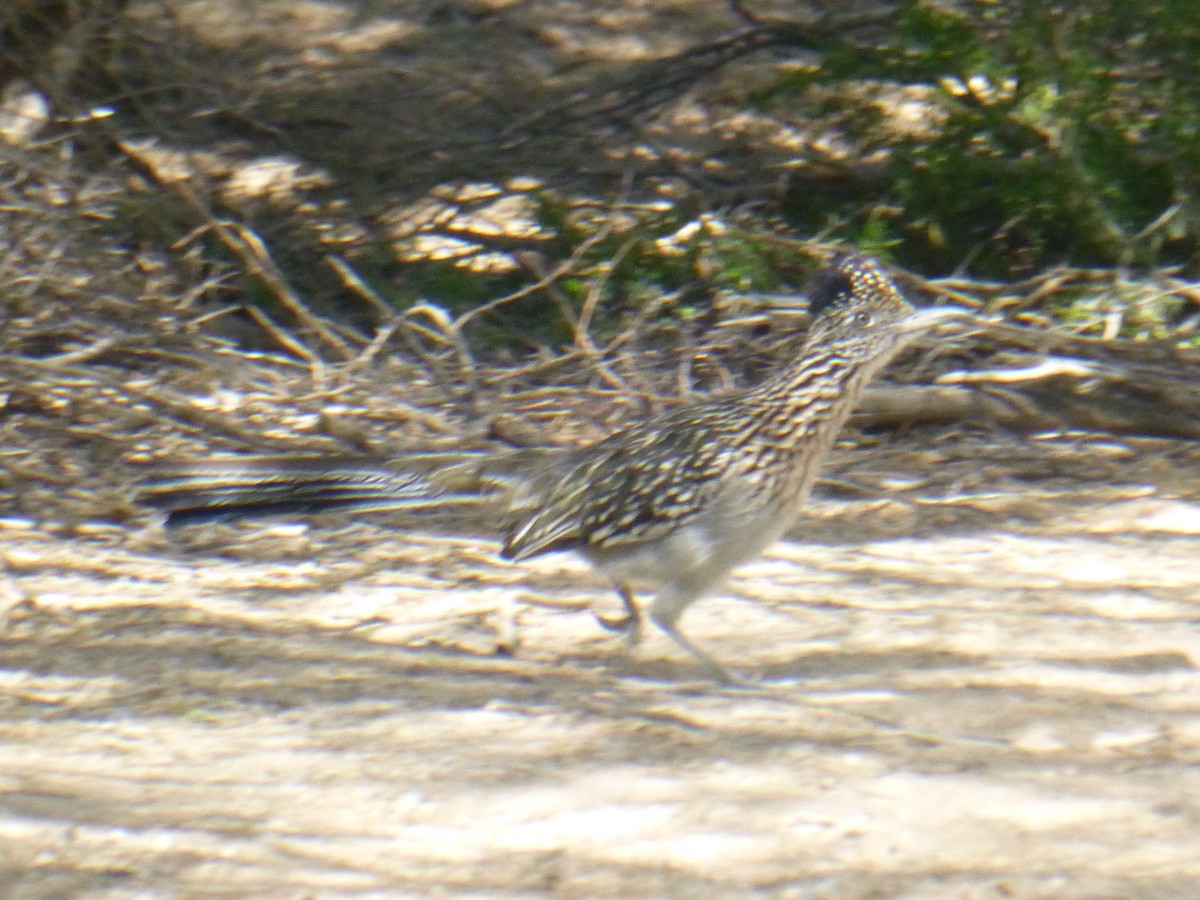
x=933 y=316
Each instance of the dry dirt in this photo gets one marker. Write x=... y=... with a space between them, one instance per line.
x=965 y=692
x=973 y=676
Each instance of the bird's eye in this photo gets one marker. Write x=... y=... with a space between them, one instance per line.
x=865 y=319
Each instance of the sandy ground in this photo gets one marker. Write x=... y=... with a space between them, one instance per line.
x=986 y=688
x=1008 y=708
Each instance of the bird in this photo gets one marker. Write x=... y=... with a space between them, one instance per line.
x=673 y=502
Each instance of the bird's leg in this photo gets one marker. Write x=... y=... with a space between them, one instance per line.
x=668 y=606
x=629 y=624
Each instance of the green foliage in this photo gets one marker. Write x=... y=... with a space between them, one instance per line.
x=1064 y=132
x=457 y=287
x=650 y=252
x=1004 y=135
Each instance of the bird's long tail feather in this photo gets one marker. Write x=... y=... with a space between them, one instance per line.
x=251 y=487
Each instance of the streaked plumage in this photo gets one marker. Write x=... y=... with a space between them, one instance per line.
x=675 y=501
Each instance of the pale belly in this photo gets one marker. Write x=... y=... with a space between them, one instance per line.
x=699 y=555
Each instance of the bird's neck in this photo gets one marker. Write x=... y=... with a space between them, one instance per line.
x=811 y=399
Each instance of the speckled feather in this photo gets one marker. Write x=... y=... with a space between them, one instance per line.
x=761 y=447
x=675 y=501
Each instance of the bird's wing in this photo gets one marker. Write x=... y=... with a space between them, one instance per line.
x=632 y=487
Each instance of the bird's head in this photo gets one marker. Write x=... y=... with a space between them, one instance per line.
x=854 y=304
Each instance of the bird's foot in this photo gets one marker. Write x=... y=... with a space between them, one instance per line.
x=629 y=625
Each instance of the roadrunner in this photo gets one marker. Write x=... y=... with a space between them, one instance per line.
x=673 y=502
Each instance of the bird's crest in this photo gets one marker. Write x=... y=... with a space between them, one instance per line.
x=848 y=276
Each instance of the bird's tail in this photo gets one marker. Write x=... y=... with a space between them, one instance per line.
x=251 y=487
